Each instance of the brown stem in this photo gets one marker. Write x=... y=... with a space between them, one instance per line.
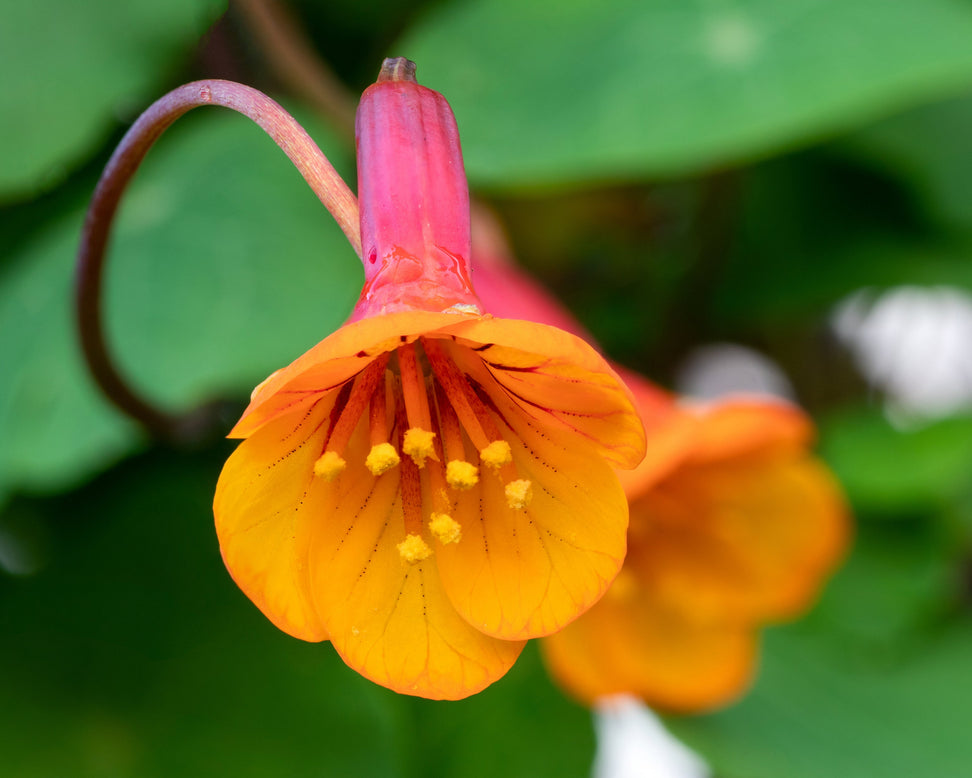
x=291 y=55
x=279 y=125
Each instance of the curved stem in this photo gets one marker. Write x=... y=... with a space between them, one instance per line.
x=278 y=124
x=291 y=56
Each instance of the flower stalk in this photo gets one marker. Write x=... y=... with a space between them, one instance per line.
x=286 y=133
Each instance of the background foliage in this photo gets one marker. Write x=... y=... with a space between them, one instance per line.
x=682 y=173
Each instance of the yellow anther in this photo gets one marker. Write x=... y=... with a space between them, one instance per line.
x=496 y=454
x=418 y=445
x=519 y=493
x=381 y=458
x=445 y=528
x=413 y=549
x=329 y=466
x=461 y=474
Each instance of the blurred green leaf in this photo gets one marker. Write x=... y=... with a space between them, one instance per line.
x=814 y=227
x=890 y=471
x=71 y=69
x=928 y=147
x=874 y=681
x=815 y=713
x=520 y=727
x=224 y=268
x=587 y=90
x=133 y=644
x=133 y=653
x=899 y=582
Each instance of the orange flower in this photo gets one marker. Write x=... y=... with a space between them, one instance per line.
x=429 y=486
x=733 y=524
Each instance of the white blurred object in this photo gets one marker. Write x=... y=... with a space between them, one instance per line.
x=915 y=345
x=721 y=369
x=633 y=743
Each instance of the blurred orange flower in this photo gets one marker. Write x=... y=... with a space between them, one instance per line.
x=733 y=524
x=429 y=486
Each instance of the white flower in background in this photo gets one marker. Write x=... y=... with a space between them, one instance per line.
x=633 y=743
x=719 y=369
x=915 y=345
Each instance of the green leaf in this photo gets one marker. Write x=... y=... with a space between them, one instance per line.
x=874 y=681
x=896 y=472
x=929 y=148
x=134 y=645
x=70 y=69
x=589 y=90
x=900 y=580
x=540 y=731
x=816 y=714
x=133 y=648
x=224 y=267
x=814 y=227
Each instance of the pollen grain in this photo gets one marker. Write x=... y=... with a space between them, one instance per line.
x=445 y=528
x=461 y=474
x=519 y=493
x=419 y=445
x=330 y=465
x=496 y=454
x=413 y=549
x=382 y=458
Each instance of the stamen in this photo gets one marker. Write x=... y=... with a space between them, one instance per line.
x=445 y=528
x=419 y=436
x=378 y=416
x=472 y=414
x=461 y=474
x=364 y=387
x=441 y=502
x=450 y=431
x=496 y=454
x=419 y=445
x=330 y=465
x=382 y=458
x=410 y=484
x=413 y=549
x=519 y=493
x=413 y=388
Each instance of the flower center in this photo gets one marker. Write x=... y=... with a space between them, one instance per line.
x=424 y=414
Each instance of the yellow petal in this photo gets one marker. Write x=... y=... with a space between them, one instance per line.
x=558 y=379
x=387 y=617
x=749 y=538
x=736 y=427
x=521 y=573
x=628 y=643
x=670 y=433
x=264 y=494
